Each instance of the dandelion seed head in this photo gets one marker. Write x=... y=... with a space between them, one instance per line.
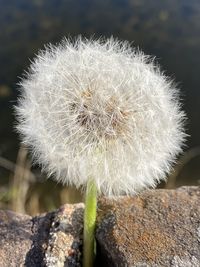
x=101 y=109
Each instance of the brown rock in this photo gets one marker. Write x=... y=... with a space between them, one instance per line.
x=23 y=239
x=52 y=239
x=15 y=238
x=159 y=228
x=65 y=238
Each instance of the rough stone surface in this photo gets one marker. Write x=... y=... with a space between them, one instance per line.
x=52 y=239
x=159 y=228
x=65 y=238
x=15 y=238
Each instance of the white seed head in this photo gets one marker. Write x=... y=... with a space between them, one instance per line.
x=101 y=109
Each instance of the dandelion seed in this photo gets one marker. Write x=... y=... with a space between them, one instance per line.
x=100 y=109
x=100 y=95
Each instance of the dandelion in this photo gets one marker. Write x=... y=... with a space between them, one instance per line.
x=99 y=113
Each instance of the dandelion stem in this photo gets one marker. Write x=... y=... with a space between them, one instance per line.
x=89 y=223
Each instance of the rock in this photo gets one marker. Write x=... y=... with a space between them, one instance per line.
x=159 y=228
x=52 y=239
x=15 y=238
x=65 y=237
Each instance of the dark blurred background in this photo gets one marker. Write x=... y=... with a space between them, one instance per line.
x=168 y=29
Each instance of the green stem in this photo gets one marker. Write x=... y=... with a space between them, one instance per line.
x=89 y=223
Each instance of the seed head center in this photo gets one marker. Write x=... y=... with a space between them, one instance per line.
x=105 y=118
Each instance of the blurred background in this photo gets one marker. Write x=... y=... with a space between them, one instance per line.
x=168 y=29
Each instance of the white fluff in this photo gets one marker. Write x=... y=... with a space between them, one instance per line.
x=101 y=109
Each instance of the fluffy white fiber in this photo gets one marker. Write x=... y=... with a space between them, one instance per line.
x=100 y=109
